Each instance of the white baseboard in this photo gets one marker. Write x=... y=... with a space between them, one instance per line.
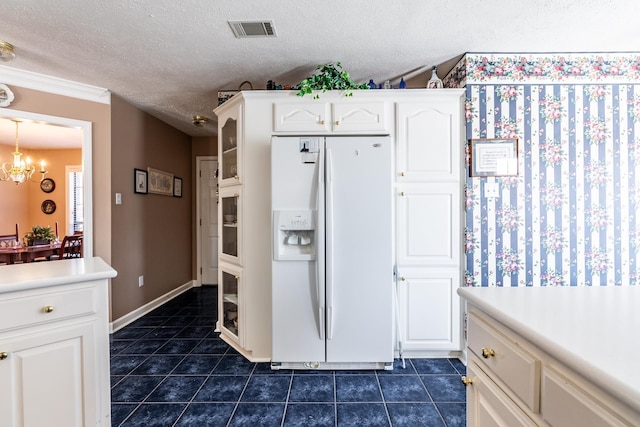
x=123 y=321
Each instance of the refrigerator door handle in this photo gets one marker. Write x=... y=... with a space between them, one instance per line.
x=329 y=249
x=320 y=260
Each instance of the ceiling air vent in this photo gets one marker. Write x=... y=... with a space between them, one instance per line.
x=252 y=29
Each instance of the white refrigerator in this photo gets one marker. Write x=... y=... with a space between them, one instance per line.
x=332 y=272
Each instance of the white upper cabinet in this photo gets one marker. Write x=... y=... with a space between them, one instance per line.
x=429 y=140
x=328 y=117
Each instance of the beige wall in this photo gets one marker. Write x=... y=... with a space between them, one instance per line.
x=152 y=234
x=21 y=203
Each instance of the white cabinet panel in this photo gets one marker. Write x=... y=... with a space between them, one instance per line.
x=301 y=117
x=429 y=309
x=429 y=141
x=50 y=373
x=429 y=225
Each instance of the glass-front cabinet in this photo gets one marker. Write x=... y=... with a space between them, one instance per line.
x=231 y=307
x=231 y=232
x=231 y=148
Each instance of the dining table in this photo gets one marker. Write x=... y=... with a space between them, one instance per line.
x=17 y=254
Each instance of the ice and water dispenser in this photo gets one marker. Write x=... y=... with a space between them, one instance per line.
x=294 y=235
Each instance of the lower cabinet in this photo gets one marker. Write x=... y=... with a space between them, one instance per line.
x=54 y=356
x=429 y=310
x=511 y=382
x=52 y=378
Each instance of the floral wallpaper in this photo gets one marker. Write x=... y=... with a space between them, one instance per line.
x=572 y=215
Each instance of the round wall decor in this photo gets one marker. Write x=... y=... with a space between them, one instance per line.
x=47 y=185
x=48 y=206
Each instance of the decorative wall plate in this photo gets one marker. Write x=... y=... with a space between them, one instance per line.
x=47 y=185
x=48 y=206
x=6 y=96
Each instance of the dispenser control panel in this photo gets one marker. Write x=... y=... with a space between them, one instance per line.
x=295 y=220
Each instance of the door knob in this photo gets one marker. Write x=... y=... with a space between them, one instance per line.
x=488 y=352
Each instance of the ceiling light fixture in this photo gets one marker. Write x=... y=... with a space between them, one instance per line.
x=21 y=170
x=7 y=51
x=200 y=121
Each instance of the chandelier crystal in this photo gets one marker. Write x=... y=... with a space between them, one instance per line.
x=20 y=170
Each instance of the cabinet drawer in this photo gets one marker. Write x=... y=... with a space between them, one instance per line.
x=26 y=310
x=518 y=369
x=490 y=406
x=566 y=404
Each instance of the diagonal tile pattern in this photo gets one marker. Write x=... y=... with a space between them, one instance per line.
x=169 y=368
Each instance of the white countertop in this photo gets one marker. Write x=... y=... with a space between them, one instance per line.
x=17 y=277
x=593 y=330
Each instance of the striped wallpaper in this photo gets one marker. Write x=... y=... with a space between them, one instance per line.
x=572 y=215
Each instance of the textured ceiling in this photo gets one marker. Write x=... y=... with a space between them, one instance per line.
x=170 y=58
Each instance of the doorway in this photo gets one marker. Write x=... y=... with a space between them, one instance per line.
x=207 y=220
x=85 y=141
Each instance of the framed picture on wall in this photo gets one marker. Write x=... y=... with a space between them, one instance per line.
x=177 y=187
x=160 y=182
x=494 y=157
x=140 y=181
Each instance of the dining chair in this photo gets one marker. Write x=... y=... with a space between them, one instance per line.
x=71 y=247
x=7 y=240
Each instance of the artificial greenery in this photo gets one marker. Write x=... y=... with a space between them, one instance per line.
x=328 y=77
x=40 y=233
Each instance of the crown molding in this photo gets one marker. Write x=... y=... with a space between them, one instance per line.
x=55 y=85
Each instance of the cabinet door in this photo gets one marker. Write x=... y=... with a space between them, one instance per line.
x=230 y=145
x=231 y=306
x=429 y=225
x=488 y=405
x=429 y=141
x=301 y=117
x=429 y=309
x=50 y=377
x=358 y=117
x=231 y=225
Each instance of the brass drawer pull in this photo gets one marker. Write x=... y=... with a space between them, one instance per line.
x=466 y=381
x=48 y=309
x=3 y=355
x=488 y=352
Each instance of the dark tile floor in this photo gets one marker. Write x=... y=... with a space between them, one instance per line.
x=169 y=368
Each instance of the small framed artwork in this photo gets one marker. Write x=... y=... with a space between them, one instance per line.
x=160 y=182
x=140 y=181
x=177 y=187
x=494 y=157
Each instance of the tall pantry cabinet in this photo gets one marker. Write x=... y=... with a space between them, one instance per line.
x=429 y=209
x=426 y=126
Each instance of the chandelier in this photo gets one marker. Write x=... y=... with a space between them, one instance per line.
x=20 y=170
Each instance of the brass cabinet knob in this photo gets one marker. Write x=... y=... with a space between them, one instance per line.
x=322 y=122
x=48 y=309
x=402 y=193
x=401 y=173
x=3 y=355
x=488 y=352
x=466 y=381
x=236 y=177
x=237 y=277
x=337 y=122
x=402 y=279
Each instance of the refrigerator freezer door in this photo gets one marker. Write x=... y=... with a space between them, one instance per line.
x=297 y=184
x=360 y=246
